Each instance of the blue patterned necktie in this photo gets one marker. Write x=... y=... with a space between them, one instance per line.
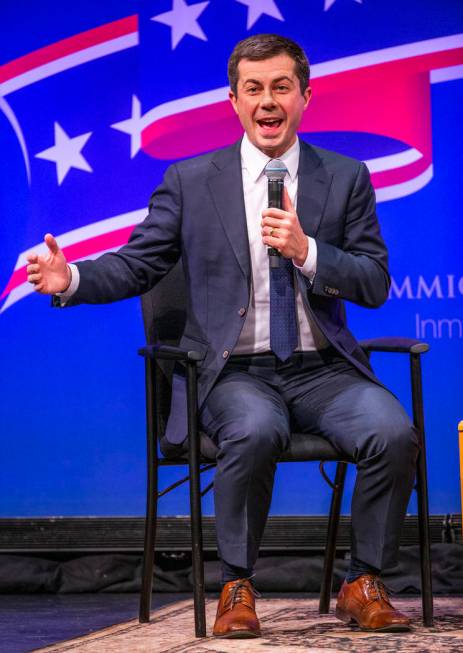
x=283 y=323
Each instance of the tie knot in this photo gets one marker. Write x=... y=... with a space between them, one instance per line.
x=275 y=169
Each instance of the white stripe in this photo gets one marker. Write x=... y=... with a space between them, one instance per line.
x=69 y=61
x=185 y=104
x=387 y=55
x=84 y=233
x=8 y=111
x=446 y=74
x=392 y=161
x=27 y=288
x=405 y=188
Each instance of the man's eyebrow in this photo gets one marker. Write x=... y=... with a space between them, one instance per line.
x=251 y=81
x=280 y=79
x=274 y=81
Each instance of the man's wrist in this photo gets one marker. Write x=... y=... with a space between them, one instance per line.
x=73 y=283
x=302 y=257
x=69 y=273
x=309 y=266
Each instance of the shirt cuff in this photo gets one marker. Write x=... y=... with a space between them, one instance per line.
x=309 y=267
x=71 y=289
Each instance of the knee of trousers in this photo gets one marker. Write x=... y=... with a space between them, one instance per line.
x=395 y=441
x=255 y=436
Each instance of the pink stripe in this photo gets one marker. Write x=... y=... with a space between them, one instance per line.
x=77 y=251
x=68 y=46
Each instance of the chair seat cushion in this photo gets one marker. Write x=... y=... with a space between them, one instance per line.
x=303 y=447
x=308 y=446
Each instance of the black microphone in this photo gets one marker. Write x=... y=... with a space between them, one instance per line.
x=275 y=171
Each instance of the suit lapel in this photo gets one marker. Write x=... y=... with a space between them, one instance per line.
x=312 y=189
x=226 y=186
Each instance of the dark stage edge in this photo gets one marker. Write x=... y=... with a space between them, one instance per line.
x=29 y=622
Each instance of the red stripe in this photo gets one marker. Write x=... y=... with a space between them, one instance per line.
x=77 y=251
x=401 y=174
x=69 y=46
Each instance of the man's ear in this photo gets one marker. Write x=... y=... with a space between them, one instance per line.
x=233 y=99
x=307 y=96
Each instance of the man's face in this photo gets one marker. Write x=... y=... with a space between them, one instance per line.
x=269 y=102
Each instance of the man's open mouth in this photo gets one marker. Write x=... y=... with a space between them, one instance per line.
x=270 y=124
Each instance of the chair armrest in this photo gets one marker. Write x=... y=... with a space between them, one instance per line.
x=167 y=352
x=395 y=344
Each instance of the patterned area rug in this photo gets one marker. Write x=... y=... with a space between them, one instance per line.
x=288 y=625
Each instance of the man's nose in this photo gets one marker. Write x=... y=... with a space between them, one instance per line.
x=267 y=100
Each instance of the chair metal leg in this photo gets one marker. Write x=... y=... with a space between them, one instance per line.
x=422 y=495
x=195 y=504
x=333 y=524
x=425 y=542
x=151 y=496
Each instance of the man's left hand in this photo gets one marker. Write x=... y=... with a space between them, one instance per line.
x=281 y=229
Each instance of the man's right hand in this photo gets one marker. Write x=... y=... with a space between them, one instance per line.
x=50 y=273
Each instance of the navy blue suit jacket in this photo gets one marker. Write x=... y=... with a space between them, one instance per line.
x=198 y=213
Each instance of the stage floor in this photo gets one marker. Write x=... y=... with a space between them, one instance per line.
x=32 y=621
x=106 y=623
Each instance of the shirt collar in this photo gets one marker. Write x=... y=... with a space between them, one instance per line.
x=254 y=160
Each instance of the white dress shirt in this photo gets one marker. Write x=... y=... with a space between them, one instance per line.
x=255 y=336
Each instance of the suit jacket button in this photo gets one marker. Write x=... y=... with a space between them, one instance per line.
x=226 y=354
x=242 y=311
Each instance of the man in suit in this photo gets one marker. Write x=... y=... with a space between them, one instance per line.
x=278 y=354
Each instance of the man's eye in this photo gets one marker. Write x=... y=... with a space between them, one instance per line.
x=282 y=87
x=252 y=89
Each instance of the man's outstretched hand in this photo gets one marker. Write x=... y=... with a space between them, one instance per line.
x=50 y=273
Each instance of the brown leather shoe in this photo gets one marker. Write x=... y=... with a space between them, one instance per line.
x=236 y=614
x=365 y=601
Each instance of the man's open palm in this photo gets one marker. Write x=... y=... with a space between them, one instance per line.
x=49 y=273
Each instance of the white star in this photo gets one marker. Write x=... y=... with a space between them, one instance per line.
x=258 y=7
x=66 y=153
x=183 y=19
x=330 y=3
x=132 y=126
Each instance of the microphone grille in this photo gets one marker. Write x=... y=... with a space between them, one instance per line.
x=275 y=169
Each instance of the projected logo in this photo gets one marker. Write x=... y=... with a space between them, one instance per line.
x=384 y=93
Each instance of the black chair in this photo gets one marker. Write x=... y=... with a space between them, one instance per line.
x=164 y=318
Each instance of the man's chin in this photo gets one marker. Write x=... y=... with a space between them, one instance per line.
x=271 y=147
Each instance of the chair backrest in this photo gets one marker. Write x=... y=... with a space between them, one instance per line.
x=164 y=312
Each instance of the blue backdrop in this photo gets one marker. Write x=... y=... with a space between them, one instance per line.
x=96 y=99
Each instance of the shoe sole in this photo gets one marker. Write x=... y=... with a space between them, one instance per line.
x=393 y=628
x=239 y=634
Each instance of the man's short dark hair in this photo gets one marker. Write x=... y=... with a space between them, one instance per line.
x=265 y=46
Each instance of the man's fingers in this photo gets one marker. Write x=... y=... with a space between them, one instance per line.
x=268 y=221
x=32 y=258
x=51 y=243
x=34 y=278
x=32 y=267
x=271 y=241
x=276 y=214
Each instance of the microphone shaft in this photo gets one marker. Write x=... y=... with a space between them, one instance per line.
x=275 y=201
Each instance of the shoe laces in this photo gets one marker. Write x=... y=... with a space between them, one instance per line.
x=377 y=590
x=238 y=592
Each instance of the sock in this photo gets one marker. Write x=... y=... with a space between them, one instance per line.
x=231 y=572
x=358 y=568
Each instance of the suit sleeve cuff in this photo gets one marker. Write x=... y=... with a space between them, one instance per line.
x=309 y=268
x=72 y=288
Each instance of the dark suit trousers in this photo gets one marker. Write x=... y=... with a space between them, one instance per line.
x=250 y=413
